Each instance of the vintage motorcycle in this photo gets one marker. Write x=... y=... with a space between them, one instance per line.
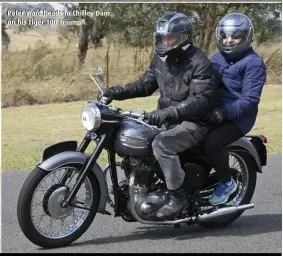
x=62 y=195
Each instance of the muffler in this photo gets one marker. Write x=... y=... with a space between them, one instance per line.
x=203 y=218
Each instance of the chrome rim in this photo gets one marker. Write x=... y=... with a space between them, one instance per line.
x=48 y=217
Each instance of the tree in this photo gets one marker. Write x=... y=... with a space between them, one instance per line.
x=5 y=38
x=132 y=24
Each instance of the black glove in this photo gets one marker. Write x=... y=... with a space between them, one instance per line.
x=107 y=93
x=216 y=116
x=159 y=116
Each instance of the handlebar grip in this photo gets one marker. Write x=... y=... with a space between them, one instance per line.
x=104 y=100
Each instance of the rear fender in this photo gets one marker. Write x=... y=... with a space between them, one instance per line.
x=68 y=158
x=244 y=144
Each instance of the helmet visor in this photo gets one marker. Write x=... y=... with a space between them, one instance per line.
x=231 y=35
x=168 y=40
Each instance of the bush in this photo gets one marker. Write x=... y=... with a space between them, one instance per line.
x=44 y=74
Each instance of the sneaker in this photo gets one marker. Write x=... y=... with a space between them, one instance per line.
x=222 y=192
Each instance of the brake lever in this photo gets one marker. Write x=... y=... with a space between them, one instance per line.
x=164 y=127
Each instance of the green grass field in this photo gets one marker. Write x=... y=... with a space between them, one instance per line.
x=27 y=130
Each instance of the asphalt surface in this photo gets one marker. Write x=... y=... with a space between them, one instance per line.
x=257 y=230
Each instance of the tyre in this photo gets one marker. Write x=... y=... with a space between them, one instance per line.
x=41 y=218
x=245 y=173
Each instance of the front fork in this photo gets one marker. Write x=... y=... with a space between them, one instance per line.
x=101 y=141
x=87 y=166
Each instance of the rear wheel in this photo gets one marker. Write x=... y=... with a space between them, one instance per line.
x=245 y=174
x=41 y=217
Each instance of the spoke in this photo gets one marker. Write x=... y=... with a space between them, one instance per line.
x=74 y=219
x=236 y=166
x=41 y=217
x=80 y=195
x=63 y=176
x=74 y=173
x=37 y=199
x=36 y=205
x=80 y=211
x=56 y=176
x=45 y=184
x=63 y=223
x=51 y=228
x=45 y=228
x=53 y=179
x=77 y=216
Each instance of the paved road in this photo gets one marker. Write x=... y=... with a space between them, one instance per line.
x=257 y=230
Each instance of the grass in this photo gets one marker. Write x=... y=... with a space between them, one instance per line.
x=22 y=41
x=28 y=130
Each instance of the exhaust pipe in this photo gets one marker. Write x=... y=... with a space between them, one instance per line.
x=222 y=212
x=199 y=219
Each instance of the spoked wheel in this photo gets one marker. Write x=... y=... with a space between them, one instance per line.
x=41 y=217
x=244 y=173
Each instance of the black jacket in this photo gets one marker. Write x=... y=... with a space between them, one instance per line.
x=190 y=85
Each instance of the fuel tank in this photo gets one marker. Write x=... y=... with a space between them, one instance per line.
x=134 y=139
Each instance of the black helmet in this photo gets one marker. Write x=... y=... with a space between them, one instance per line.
x=176 y=27
x=236 y=26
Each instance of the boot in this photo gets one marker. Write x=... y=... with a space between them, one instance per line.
x=178 y=202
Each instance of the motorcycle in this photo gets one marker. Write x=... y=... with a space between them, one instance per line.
x=67 y=188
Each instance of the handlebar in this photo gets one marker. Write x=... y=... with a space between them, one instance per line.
x=134 y=114
x=138 y=117
x=141 y=119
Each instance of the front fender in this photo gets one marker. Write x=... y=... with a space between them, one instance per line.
x=248 y=146
x=75 y=157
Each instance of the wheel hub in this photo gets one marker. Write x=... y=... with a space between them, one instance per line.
x=54 y=204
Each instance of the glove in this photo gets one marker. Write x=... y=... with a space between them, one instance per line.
x=216 y=116
x=159 y=116
x=107 y=93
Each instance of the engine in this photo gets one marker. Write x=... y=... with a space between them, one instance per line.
x=150 y=190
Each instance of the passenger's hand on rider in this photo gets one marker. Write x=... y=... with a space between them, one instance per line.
x=107 y=93
x=159 y=116
x=216 y=116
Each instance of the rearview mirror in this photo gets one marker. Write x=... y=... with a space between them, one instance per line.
x=99 y=73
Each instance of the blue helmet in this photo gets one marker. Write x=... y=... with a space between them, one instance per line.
x=236 y=26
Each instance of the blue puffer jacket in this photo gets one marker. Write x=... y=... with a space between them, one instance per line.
x=241 y=85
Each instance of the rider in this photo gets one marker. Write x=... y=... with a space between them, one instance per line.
x=242 y=74
x=188 y=87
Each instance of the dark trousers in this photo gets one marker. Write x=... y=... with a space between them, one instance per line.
x=168 y=144
x=215 y=142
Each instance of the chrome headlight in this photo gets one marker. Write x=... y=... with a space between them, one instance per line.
x=91 y=117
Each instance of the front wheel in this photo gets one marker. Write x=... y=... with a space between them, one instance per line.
x=245 y=173
x=42 y=219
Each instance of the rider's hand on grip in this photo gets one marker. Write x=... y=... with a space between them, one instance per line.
x=107 y=96
x=216 y=116
x=156 y=117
